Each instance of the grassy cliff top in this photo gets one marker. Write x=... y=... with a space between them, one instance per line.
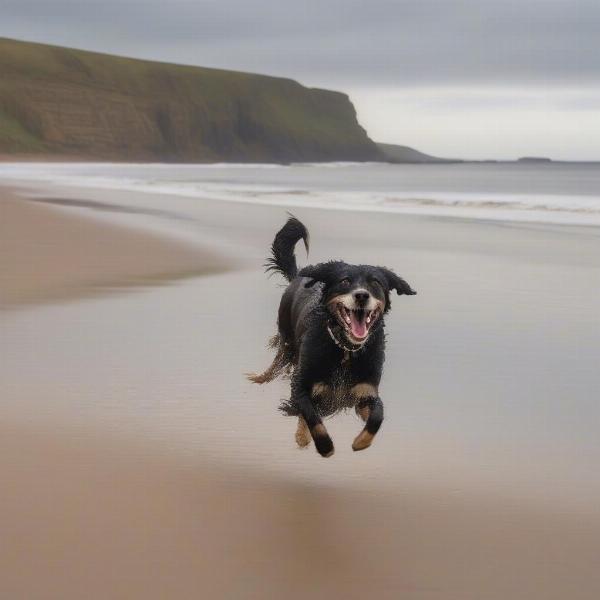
x=55 y=99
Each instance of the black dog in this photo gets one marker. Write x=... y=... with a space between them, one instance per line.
x=330 y=339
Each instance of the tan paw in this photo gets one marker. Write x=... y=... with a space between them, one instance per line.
x=303 y=436
x=363 y=440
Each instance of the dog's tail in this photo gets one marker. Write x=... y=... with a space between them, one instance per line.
x=281 y=363
x=282 y=259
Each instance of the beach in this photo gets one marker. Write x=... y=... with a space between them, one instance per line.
x=138 y=462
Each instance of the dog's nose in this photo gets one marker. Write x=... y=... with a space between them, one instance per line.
x=362 y=296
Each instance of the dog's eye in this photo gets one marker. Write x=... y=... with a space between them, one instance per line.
x=345 y=281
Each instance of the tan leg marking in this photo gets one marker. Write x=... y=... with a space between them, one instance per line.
x=303 y=437
x=364 y=390
x=363 y=412
x=362 y=440
x=320 y=389
x=319 y=430
x=361 y=391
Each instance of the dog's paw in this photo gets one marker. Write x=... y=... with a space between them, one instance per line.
x=303 y=437
x=362 y=441
x=323 y=443
x=302 y=441
x=324 y=446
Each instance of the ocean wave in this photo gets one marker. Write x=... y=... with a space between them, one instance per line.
x=175 y=180
x=558 y=203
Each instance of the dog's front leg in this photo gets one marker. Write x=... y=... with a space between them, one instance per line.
x=323 y=443
x=370 y=410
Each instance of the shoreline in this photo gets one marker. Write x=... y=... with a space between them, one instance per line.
x=59 y=158
x=555 y=202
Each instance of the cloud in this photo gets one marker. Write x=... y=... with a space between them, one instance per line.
x=474 y=122
x=338 y=41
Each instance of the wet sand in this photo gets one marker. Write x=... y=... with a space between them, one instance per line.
x=50 y=255
x=91 y=516
x=138 y=463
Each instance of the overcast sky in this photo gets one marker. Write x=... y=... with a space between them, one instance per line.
x=465 y=78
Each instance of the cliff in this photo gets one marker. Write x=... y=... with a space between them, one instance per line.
x=57 y=101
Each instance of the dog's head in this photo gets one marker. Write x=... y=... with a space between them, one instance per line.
x=356 y=295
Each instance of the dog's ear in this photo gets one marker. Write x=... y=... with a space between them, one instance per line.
x=395 y=282
x=317 y=273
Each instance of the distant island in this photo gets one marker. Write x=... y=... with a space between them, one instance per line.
x=534 y=159
x=58 y=101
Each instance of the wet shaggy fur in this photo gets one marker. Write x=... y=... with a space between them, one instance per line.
x=330 y=339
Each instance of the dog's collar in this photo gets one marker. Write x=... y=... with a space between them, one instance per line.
x=340 y=344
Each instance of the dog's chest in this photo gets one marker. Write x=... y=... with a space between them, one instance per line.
x=334 y=394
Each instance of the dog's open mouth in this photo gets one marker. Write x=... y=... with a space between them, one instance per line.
x=358 y=321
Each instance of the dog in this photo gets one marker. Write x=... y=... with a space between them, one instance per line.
x=330 y=340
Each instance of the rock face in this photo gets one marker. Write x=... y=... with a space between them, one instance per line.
x=60 y=101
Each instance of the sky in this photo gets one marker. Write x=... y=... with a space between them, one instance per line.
x=454 y=78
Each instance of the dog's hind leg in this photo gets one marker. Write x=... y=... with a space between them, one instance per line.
x=370 y=410
x=267 y=375
x=302 y=433
x=279 y=364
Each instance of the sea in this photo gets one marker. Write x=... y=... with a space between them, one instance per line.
x=559 y=193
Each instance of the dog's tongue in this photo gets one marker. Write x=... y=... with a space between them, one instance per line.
x=358 y=326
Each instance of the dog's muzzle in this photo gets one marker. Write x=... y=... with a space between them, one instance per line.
x=356 y=312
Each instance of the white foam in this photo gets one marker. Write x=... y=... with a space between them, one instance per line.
x=174 y=180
